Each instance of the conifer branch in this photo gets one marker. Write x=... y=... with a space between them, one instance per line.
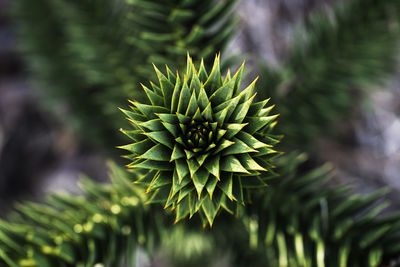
x=92 y=55
x=354 y=46
x=302 y=220
x=103 y=226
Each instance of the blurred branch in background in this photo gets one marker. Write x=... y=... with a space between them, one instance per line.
x=332 y=56
x=322 y=87
x=99 y=54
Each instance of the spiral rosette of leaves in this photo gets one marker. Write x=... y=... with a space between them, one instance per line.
x=202 y=141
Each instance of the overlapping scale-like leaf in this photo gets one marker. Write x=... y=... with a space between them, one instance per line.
x=204 y=141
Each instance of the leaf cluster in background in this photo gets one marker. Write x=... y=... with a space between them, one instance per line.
x=106 y=226
x=91 y=55
x=353 y=47
x=300 y=221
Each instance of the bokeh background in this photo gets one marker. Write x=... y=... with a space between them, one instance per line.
x=40 y=152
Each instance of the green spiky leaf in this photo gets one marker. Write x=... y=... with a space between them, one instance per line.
x=203 y=137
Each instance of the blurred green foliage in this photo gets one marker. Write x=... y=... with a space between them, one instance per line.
x=90 y=56
x=333 y=60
